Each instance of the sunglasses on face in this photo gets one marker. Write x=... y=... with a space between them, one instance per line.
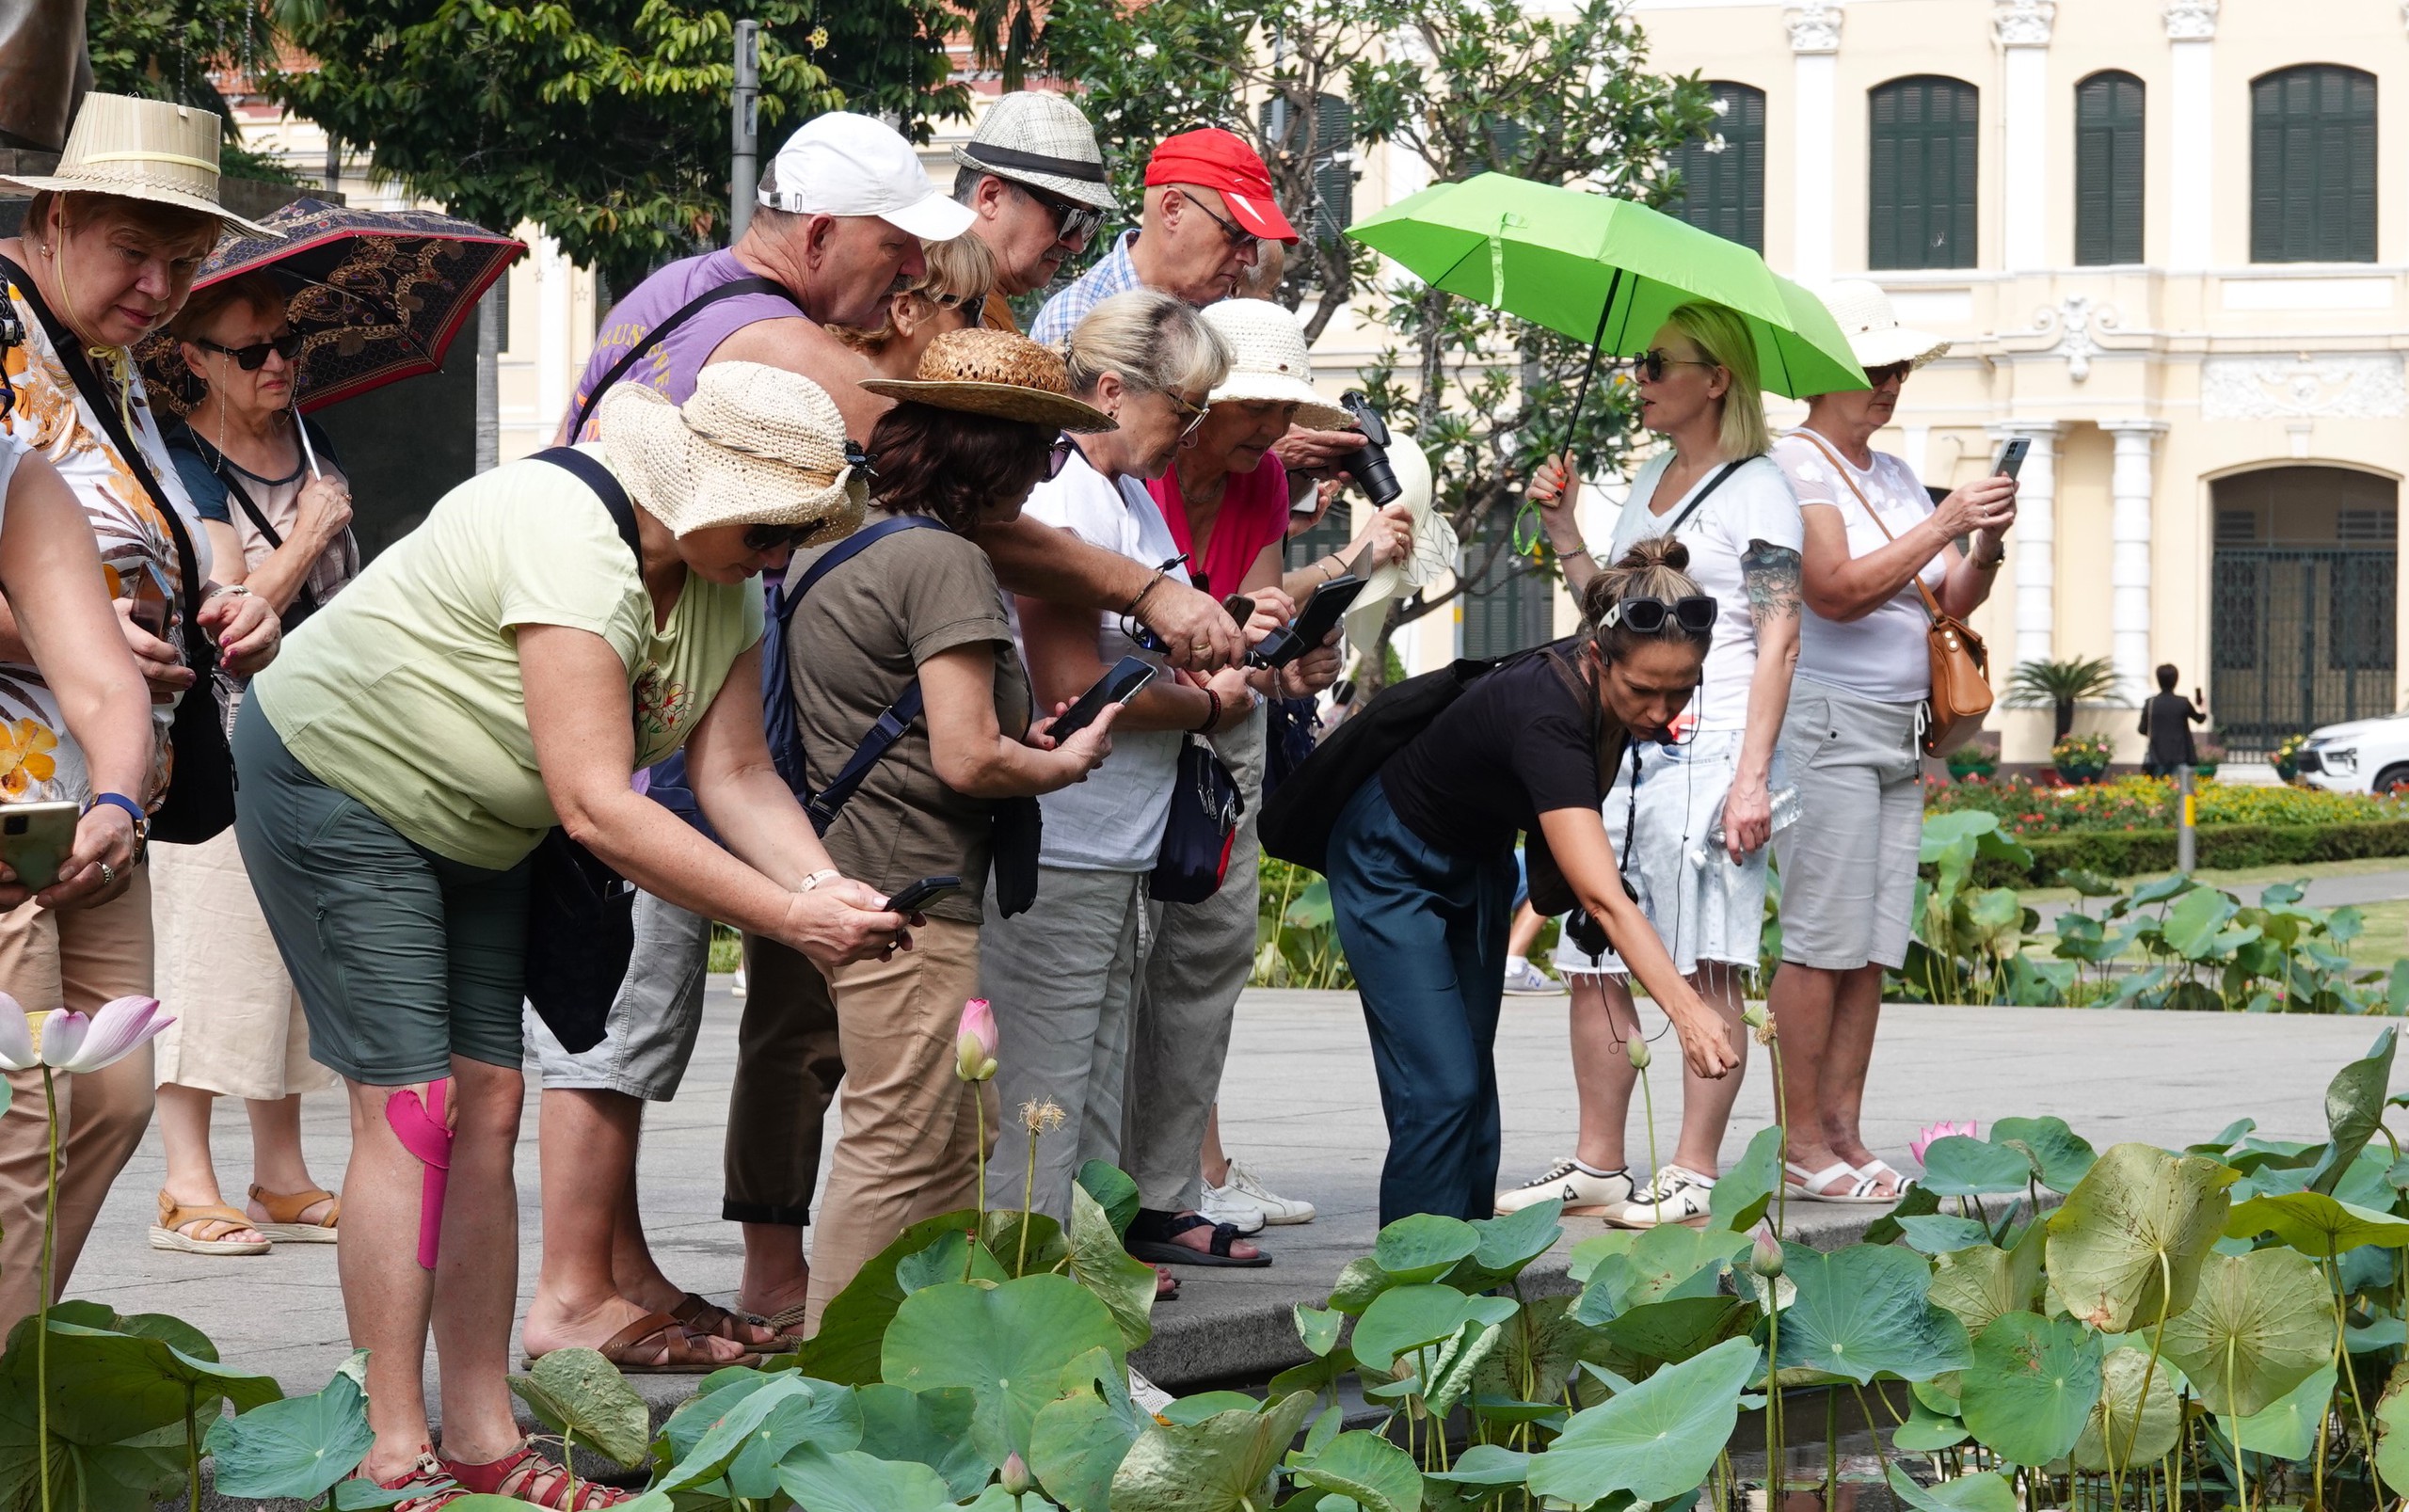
x=1238 y=234
x=1058 y=456
x=1072 y=222
x=1693 y=612
x=254 y=356
x=762 y=539
x=1651 y=364
x=1889 y=372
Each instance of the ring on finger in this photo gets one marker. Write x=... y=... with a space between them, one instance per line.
x=108 y=875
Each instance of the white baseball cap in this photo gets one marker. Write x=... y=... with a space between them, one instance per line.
x=841 y=163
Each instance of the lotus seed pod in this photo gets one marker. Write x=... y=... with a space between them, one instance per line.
x=1640 y=1055
x=1755 y=1016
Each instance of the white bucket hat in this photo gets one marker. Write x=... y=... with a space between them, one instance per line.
x=1042 y=140
x=1268 y=362
x=754 y=445
x=1434 y=546
x=1873 y=328
x=142 y=150
x=840 y=164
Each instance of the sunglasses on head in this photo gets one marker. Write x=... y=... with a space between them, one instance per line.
x=974 y=308
x=1071 y=221
x=1651 y=364
x=254 y=356
x=1693 y=612
x=1889 y=372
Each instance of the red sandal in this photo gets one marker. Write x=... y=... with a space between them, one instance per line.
x=427 y=1481
x=530 y=1477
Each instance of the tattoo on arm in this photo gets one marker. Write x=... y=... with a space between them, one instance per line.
x=1771 y=576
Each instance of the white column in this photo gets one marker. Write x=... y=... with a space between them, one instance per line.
x=1815 y=28
x=2022 y=27
x=556 y=358
x=2191 y=134
x=2130 y=495
x=2034 y=539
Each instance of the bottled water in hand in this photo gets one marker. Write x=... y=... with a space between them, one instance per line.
x=1785 y=813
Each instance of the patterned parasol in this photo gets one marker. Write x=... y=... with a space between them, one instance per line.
x=377 y=294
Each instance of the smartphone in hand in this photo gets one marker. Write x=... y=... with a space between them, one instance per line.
x=2011 y=455
x=35 y=839
x=1125 y=681
x=913 y=896
x=1311 y=625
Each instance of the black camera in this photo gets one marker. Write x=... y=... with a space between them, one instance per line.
x=1369 y=463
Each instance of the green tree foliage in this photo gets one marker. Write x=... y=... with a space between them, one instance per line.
x=167 y=49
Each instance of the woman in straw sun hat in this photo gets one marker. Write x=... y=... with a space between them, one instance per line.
x=504 y=668
x=110 y=244
x=911 y=603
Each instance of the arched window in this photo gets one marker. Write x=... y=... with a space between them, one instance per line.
x=1723 y=173
x=2107 y=169
x=1924 y=134
x=2312 y=165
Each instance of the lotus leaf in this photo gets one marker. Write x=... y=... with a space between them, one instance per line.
x=1078 y=1441
x=297 y=1447
x=1204 y=1404
x=1669 y=1260
x=1405 y=1318
x=2354 y=1109
x=1368 y=1470
x=2130 y=1239
x=1591 y=1252
x=2031 y=1386
x=954 y=1257
x=1125 y=1282
x=577 y=1392
x=1986 y=1491
x=846 y=1348
x=1927 y=1431
x=2315 y=1224
x=2287 y=1428
x=1487 y=1464
x=1537 y=1350
x=1011 y=1344
x=856 y=1482
x=1955 y=1166
x=1918 y=1201
x=1314 y=1373
x=1362 y=1281
x=731 y=1433
x=714 y=1394
x=1043 y=1251
x=1217 y=1465
x=1656 y=1440
x=1423 y=1246
x=2392 y=1433
x=822 y=1415
x=1866 y=1310
x=1743 y=1193
x=108 y=1386
x=1507 y=1244
x=2261 y=1325
x=1941 y=1233
x=1113 y=1191
x=2059 y=1156
x=2111 y=1426
x=932 y=1427
x=1678 y=1326
x=1456 y=1366
x=1977 y=1284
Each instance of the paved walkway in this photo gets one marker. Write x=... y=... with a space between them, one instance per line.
x=1301 y=1107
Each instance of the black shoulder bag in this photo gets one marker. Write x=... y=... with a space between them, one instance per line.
x=200 y=804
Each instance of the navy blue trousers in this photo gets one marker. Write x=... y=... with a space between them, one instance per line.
x=1425 y=933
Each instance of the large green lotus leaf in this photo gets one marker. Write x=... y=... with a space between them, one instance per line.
x=1405 y=1318
x=1743 y=1193
x=1656 y=1440
x=2354 y=1109
x=856 y=1482
x=1123 y=1281
x=1319 y=1329
x=732 y=1432
x=2315 y=1224
x=2111 y=1426
x=1955 y=1166
x=1866 y=1310
x=1941 y=1233
x=1206 y=1404
x=1423 y=1246
x=1456 y=1366
x=2139 y=1224
x=2287 y=1428
x=1917 y=1202
x=1978 y=1285
x=846 y=1348
x=2031 y=1386
x=824 y=1416
x=2261 y=1324
x=1678 y=1327
x=108 y=1387
x=1927 y=1431
x=930 y=1426
x=954 y=1257
x=2061 y=1157
x=714 y=1395
x=1986 y=1491
x=297 y=1447
x=1590 y=1253
x=1078 y=1441
x=1030 y=1243
x=1010 y=1345
x=1537 y=1351
x=1113 y=1191
x=577 y=1392
x=1217 y=1465
x=1669 y=1260
x=1487 y=1464
x=1356 y=1286
x=1506 y=1245
x=2392 y=1433
x=1368 y=1470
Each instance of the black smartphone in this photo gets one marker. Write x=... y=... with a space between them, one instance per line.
x=2011 y=455
x=912 y=895
x=1118 y=686
x=1311 y=625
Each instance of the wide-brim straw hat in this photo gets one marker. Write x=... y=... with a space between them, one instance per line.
x=752 y=445
x=1875 y=338
x=1042 y=140
x=142 y=150
x=981 y=372
x=1268 y=362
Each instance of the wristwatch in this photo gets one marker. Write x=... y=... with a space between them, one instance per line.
x=140 y=815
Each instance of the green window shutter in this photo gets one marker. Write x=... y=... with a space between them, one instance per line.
x=1512 y=610
x=2313 y=166
x=2108 y=169
x=1723 y=175
x=1328 y=138
x=1925 y=139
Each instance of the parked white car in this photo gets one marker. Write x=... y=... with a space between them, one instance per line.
x=2361 y=756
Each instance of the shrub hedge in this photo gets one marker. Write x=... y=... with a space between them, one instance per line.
x=2136 y=852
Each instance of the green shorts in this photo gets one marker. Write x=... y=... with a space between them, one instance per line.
x=403 y=958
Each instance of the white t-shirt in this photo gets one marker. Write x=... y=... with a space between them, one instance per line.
x=1754 y=504
x=1113 y=822
x=1884 y=656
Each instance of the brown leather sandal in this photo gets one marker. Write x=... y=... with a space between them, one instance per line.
x=285 y=1223
x=215 y=1222
x=702 y=1315
x=788 y=1323
x=527 y=1476
x=659 y=1344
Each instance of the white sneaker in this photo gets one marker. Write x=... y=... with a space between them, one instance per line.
x=1224 y=1205
x=1275 y=1208
x=1523 y=979
x=736 y=988
x=1149 y=1398
x=1584 y=1195
x=1677 y=1195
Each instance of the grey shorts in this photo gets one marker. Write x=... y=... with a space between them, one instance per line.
x=1848 y=863
x=649 y=1034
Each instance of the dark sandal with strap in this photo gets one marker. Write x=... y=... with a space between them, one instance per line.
x=527 y=1476
x=680 y=1351
x=1153 y=1238
x=704 y=1316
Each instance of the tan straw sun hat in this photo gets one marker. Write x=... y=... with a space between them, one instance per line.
x=754 y=445
x=141 y=149
x=1871 y=326
x=998 y=374
x=1268 y=362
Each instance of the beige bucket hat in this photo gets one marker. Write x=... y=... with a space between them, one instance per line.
x=142 y=150
x=981 y=372
x=754 y=445
x=1268 y=360
x=1875 y=335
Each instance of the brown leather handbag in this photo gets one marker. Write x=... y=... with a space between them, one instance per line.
x=1961 y=664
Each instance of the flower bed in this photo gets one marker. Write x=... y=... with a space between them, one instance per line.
x=2038 y=810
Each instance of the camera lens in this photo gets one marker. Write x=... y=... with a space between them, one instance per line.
x=16 y=825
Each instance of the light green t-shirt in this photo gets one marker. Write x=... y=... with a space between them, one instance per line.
x=404 y=691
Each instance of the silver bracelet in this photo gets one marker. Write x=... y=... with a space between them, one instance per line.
x=225 y=590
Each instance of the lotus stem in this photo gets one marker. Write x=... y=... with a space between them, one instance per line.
x=192 y=1447
x=1028 y=1201
x=2349 y=1374
x=1773 y=1391
x=2233 y=1429
x=979 y=1224
x=1781 y=1122
x=568 y=1465
x=41 y=1325
x=1648 y=1101
x=2166 y=1294
x=1832 y=1446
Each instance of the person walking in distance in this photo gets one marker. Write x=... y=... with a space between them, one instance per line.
x=2168 y=718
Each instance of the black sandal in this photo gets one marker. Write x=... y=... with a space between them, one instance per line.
x=1153 y=1238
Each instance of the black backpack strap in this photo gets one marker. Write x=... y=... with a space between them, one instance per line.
x=844 y=552
x=660 y=333
x=606 y=486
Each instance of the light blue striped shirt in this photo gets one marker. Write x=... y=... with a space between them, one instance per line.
x=1113 y=273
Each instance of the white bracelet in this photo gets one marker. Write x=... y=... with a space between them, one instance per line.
x=825 y=874
x=226 y=589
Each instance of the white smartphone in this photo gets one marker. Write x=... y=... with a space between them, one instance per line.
x=35 y=839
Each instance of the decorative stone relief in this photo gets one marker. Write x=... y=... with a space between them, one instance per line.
x=1815 y=26
x=2338 y=386
x=2026 y=23
x=2076 y=323
x=2190 y=21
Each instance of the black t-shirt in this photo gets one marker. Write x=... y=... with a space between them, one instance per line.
x=1519 y=743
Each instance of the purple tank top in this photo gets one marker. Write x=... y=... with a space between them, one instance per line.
x=672 y=367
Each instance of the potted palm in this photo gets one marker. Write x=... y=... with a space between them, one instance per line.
x=2058 y=686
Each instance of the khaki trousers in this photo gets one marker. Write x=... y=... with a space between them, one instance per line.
x=82 y=959
x=909 y=1147
x=788 y=1064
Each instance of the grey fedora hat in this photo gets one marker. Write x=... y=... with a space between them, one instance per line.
x=1040 y=141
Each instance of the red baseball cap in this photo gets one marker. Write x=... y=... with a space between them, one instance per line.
x=1217 y=160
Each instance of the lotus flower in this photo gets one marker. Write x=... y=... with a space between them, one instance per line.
x=1016 y=1478
x=1764 y=1256
x=1940 y=1131
x=72 y=1042
x=16 y=1037
x=1637 y=1048
x=974 y=1045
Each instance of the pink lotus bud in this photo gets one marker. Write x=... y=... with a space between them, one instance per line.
x=1016 y=1478
x=1764 y=1256
x=1637 y=1048
x=974 y=1045
x=72 y=1042
x=16 y=1036
x=1940 y=1131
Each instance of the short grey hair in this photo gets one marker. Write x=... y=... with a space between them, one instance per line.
x=1155 y=343
x=966 y=183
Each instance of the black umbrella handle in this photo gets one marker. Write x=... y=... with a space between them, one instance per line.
x=1580 y=397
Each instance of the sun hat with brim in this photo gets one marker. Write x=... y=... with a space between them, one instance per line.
x=141 y=149
x=1877 y=338
x=752 y=445
x=1043 y=141
x=1268 y=362
x=982 y=372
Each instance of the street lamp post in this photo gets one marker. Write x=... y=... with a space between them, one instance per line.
x=744 y=173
